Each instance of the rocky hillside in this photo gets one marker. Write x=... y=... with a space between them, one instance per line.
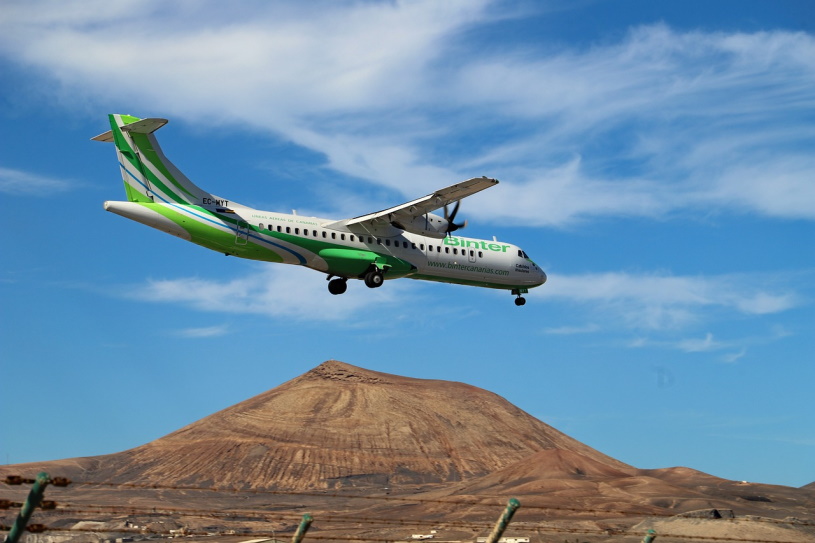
x=406 y=447
x=339 y=425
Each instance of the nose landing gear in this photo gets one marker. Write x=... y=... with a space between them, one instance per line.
x=520 y=300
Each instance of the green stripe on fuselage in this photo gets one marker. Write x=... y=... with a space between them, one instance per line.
x=343 y=260
x=212 y=237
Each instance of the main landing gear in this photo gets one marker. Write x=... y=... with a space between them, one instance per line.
x=338 y=285
x=374 y=279
x=520 y=300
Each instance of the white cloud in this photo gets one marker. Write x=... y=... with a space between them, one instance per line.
x=659 y=301
x=287 y=292
x=696 y=345
x=205 y=332
x=17 y=182
x=733 y=357
x=660 y=121
x=572 y=330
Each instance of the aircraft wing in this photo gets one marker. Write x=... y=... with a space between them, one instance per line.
x=421 y=206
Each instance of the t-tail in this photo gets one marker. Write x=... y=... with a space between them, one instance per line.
x=148 y=175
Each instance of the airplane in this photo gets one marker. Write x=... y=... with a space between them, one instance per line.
x=402 y=241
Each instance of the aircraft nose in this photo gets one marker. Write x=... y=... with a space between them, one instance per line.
x=542 y=276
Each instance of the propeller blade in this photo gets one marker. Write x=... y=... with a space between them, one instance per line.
x=452 y=226
x=452 y=216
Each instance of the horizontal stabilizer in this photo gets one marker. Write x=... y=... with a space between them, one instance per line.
x=144 y=126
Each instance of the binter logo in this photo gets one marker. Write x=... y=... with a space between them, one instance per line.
x=475 y=244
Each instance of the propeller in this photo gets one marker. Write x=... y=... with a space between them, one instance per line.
x=452 y=226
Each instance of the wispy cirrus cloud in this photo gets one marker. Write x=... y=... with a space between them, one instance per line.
x=729 y=350
x=18 y=183
x=202 y=332
x=572 y=330
x=659 y=121
x=661 y=301
x=287 y=292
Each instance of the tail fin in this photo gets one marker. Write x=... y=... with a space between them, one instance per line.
x=148 y=175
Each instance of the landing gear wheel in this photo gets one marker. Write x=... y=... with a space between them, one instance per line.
x=337 y=286
x=374 y=279
x=520 y=300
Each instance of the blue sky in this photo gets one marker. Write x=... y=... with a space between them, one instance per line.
x=655 y=159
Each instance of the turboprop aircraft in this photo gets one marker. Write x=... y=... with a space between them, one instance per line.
x=403 y=241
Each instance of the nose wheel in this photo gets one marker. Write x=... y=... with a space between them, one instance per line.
x=520 y=300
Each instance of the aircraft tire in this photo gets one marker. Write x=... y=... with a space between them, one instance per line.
x=374 y=279
x=520 y=300
x=337 y=286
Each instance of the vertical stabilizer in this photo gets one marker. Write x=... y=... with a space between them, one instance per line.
x=148 y=175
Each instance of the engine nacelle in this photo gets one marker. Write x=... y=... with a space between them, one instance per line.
x=430 y=225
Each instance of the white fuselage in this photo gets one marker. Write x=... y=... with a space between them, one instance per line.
x=452 y=259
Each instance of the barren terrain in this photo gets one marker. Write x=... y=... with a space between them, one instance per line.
x=375 y=456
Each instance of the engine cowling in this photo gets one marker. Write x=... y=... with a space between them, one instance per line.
x=430 y=225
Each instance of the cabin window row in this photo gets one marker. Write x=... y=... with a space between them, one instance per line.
x=353 y=237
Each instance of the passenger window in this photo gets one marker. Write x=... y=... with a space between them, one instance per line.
x=305 y=231
x=388 y=242
x=412 y=245
x=324 y=234
x=342 y=237
x=279 y=228
x=370 y=239
x=480 y=254
x=351 y=237
x=333 y=235
x=260 y=226
x=421 y=246
x=314 y=233
x=297 y=231
x=447 y=250
x=379 y=241
x=430 y=248
x=288 y=229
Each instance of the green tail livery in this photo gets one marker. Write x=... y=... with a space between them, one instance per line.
x=403 y=241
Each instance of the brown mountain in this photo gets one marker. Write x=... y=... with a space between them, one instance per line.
x=339 y=425
x=343 y=432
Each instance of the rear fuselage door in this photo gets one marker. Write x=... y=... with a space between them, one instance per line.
x=242 y=233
